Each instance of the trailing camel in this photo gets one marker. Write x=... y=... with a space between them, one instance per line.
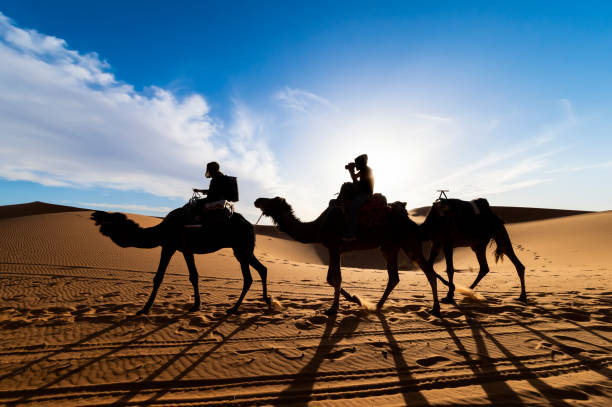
x=395 y=232
x=230 y=231
x=454 y=223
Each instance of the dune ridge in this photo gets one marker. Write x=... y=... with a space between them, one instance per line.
x=34 y=208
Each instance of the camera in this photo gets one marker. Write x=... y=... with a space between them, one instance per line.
x=349 y=166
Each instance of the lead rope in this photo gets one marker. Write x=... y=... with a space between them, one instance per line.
x=259 y=218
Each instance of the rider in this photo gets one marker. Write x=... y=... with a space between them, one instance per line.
x=216 y=190
x=364 y=181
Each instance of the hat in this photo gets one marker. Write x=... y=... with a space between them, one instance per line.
x=212 y=168
x=362 y=160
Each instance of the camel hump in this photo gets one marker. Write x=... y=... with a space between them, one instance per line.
x=480 y=206
x=459 y=207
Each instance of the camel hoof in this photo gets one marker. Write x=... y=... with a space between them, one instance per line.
x=448 y=300
x=232 y=311
x=143 y=311
x=194 y=308
x=331 y=311
x=435 y=312
x=268 y=300
x=522 y=298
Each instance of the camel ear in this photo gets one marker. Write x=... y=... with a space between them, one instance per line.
x=283 y=200
x=404 y=204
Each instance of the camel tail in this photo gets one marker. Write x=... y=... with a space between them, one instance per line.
x=502 y=240
x=125 y=232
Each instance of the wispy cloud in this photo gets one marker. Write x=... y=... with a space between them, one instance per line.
x=301 y=100
x=577 y=168
x=65 y=120
x=515 y=166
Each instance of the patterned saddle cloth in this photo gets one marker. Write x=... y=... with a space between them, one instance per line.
x=374 y=211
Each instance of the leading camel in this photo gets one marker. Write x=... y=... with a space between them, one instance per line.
x=397 y=232
x=233 y=231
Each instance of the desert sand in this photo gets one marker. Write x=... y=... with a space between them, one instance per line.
x=69 y=336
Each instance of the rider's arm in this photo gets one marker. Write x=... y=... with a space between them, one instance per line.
x=354 y=176
x=202 y=191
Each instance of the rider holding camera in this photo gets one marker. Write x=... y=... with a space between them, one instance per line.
x=364 y=180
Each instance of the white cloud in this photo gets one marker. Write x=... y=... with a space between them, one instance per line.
x=65 y=120
x=301 y=100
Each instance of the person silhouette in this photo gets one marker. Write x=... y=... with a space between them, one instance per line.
x=364 y=182
x=221 y=188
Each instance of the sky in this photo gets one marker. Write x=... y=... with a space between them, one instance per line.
x=119 y=105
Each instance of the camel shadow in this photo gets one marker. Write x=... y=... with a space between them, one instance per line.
x=493 y=381
x=409 y=392
x=481 y=364
x=27 y=394
x=64 y=349
x=300 y=391
x=127 y=397
x=153 y=399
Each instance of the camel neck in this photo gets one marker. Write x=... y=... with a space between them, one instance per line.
x=304 y=232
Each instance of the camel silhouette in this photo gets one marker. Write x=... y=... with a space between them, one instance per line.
x=231 y=232
x=454 y=223
x=397 y=232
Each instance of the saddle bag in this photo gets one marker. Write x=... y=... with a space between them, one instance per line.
x=230 y=188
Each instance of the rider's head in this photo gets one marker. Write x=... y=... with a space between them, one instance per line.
x=361 y=162
x=212 y=168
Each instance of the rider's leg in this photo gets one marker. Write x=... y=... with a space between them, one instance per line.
x=356 y=203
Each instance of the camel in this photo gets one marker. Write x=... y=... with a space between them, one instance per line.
x=454 y=223
x=397 y=232
x=232 y=231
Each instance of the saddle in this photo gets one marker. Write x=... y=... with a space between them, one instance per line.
x=206 y=213
x=449 y=206
x=374 y=211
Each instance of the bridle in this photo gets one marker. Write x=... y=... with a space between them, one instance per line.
x=259 y=217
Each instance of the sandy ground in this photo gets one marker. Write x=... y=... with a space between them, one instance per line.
x=68 y=334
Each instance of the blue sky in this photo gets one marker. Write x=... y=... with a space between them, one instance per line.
x=118 y=105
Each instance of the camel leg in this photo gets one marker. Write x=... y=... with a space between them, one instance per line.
x=503 y=242
x=193 y=278
x=417 y=255
x=435 y=249
x=166 y=255
x=247 y=280
x=450 y=271
x=263 y=274
x=334 y=278
x=520 y=269
x=481 y=255
x=393 y=277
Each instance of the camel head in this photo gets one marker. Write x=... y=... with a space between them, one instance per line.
x=273 y=207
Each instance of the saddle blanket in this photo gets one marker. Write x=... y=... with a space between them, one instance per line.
x=374 y=211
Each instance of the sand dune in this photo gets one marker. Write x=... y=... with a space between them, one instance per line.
x=33 y=208
x=68 y=334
